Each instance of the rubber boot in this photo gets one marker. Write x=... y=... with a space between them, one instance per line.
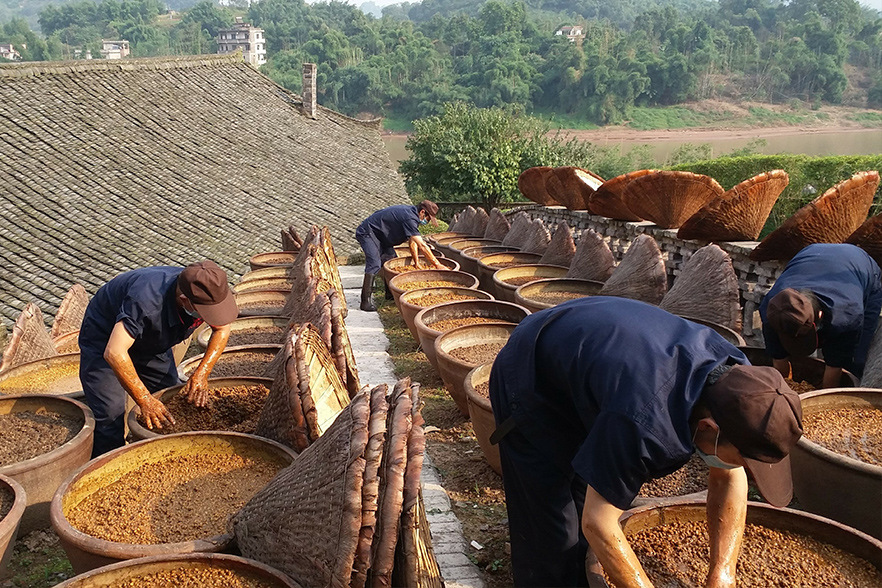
x=367 y=290
x=388 y=290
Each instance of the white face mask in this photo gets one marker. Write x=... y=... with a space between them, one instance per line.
x=713 y=460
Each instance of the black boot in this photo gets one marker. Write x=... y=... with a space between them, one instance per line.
x=388 y=290
x=367 y=289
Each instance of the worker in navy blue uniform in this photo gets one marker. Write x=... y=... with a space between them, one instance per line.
x=829 y=296
x=593 y=398
x=126 y=341
x=379 y=233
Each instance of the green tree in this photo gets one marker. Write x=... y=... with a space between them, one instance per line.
x=469 y=153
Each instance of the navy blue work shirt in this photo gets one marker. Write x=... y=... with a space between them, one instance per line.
x=144 y=300
x=606 y=386
x=846 y=281
x=393 y=225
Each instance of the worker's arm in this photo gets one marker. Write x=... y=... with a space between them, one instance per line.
x=783 y=366
x=419 y=246
x=116 y=354
x=726 y=512
x=600 y=524
x=196 y=388
x=832 y=377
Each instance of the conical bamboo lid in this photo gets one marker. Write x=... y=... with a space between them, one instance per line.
x=641 y=274
x=531 y=184
x=829 y=218
x=706 y=289
x=740 y=213
x=593 y=259
x=561 y=248
x=607 y=199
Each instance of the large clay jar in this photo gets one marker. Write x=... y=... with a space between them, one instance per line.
x=40 y=476
x=391 y=267
x=272 y=259
x=86 y=552
x=550 y=292
x=453 y=368
x=430 y=279
x=481 y=414
x=140 y=432
x=469 y=256
x=808 y=369
x=246 y=324
x=266 y=353
x=51 y=376
x=508 y=279
x=9 y=523
x=409 y=307
x=779 y=519
x=831 y=484
x=486 y=310
x=488 y=265
x=131 y=571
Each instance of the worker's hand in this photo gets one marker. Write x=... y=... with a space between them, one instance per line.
x=154 y=413
x=196 y=390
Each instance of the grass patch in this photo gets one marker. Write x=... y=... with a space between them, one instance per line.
x=395 y=124
x=565 y=120
x=867 y=119
x=38 y=561
x=675 y=117
x=766 y=117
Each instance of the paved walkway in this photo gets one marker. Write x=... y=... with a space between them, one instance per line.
x=369 y=344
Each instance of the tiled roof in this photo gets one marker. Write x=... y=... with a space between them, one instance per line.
x=107 y=166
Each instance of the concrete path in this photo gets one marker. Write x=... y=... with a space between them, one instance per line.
x=369 y=344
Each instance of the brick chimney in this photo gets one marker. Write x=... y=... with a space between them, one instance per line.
x=309 y=104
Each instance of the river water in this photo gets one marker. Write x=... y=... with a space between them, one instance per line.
x=800 y=141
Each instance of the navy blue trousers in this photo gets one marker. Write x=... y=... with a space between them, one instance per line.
x=107 y=398
x=544 y=505
x=374 y=252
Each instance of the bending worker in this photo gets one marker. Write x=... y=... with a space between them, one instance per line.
x=597 y=396
x=126 y=341
x=379 y=233
x=828 y=296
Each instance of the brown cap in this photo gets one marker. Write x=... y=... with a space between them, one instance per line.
x=791 y=316
x=762 y=417
x=205 y=285
x=431 y=209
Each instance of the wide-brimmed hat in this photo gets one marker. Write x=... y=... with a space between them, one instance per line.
x=762 y=417
x=205 y=285
x=792 y=317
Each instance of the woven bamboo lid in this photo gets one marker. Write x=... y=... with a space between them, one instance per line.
x=341 y=346
x=307 y=520
x=561 y=248
x=593 y=259
x=69 y=317
x=830 y=218
x=537 y=237
x=641 y=274
x=740 y=213
x=30 y=340
x=706 y=289
x=399 y=423
x=326 y=267
x=498 y=226
x=668 y=198
x=370 y=489
x=465 y=221
x=520 y=230
x=291 y=241
x=322 y=393
x=607 y=199
x=572 y=186
x=281 y=418
x=480 y=221
x=868 y=237
x=531 y=184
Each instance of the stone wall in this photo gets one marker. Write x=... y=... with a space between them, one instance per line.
x=754 y=278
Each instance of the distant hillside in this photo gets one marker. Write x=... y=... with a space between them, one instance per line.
x=30 y=9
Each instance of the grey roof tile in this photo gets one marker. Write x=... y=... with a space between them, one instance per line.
x=109 y=166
